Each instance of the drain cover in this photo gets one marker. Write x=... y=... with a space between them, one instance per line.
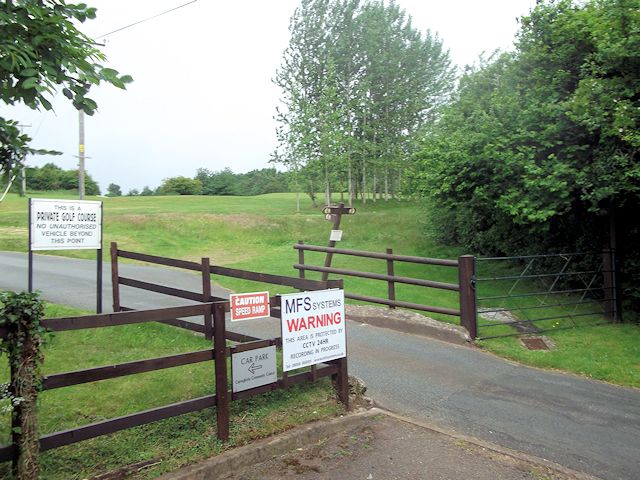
x=535 y=343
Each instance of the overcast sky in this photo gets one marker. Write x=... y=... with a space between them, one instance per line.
x=202 y=94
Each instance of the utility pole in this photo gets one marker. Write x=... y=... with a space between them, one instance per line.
x=81 y=154
x=23 y=171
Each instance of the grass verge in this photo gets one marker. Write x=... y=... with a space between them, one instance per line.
x=606 y=352
x=171 y=443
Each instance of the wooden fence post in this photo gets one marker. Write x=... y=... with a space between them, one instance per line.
x=301 y=273
x=115 y=285
x=220 y=356
x=610 y=286
x=336 y=226
x=15 y=421
x=467 y=282
x=341 y=379
x=391 y=287
x=24 y=361
x=206 y=296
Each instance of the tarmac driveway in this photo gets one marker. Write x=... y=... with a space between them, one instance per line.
x=585 y=425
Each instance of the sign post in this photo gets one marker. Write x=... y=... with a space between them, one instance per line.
x=66 y=225
x=313 y=328
x=334 y=212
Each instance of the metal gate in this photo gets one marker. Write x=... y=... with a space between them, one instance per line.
x=537 y=293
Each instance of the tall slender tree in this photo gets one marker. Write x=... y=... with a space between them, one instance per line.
x=358 y=82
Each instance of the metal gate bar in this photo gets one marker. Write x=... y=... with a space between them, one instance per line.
x=544 y=273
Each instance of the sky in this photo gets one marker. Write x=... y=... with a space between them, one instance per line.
x=202 y=95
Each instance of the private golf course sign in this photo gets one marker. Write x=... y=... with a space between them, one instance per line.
x=65 y=224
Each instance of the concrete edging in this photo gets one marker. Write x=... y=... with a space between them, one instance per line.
x=407 y=321
x=265 y=449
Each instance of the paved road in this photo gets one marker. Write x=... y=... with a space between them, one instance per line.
x=71 y=281
x=583 y=424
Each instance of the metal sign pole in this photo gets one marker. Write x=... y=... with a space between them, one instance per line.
x=99 y=267
x=30 y=274
x=99 y=282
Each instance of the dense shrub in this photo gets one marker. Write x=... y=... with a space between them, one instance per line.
x=539 y=150
x=52 y=177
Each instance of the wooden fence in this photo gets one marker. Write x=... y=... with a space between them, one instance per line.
x=465 y=286
x=213 y=314
x=468 y=282
x=206 y=270
x=60 y=380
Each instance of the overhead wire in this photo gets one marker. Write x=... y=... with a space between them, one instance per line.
x=42 y=119
x=110 y=33
x=147 y=19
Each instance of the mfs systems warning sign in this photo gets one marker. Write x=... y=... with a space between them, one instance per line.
x=313 y=328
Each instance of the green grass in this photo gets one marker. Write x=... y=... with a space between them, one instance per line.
x=176 y=441
x=605 y=352
x=258 y=233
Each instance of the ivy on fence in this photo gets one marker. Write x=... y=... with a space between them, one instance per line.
x=21 y=341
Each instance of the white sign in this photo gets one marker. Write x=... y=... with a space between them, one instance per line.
x=253 y=368
x=336 y=235
x=247 y=306
x=65 y=224
x=313 y=328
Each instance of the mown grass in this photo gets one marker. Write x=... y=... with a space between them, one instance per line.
x=173 y=442
x=606 y=352
x=258 y=233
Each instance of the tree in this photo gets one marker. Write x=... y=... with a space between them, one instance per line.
x=113 y=190
x=217 y=183
x=146 y=191
x=358 y=83
x=52 y=177
x=180 y=186
x=255 y=182
x=541 y=146
x=42 y=50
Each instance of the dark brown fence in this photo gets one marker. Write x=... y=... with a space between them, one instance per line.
x=213 y=310
x=206 y=270
x=67 y=437
x=214 y=315
x=465 y=287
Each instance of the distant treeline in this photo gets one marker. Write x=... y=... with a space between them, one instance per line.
x=52 y=177
x=223 y=182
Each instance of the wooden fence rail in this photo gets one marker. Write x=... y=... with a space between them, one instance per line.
x=206 y=270
x=465 y=286
x=214 y=314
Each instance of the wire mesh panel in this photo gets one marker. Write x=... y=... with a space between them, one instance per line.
x=537 y=293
